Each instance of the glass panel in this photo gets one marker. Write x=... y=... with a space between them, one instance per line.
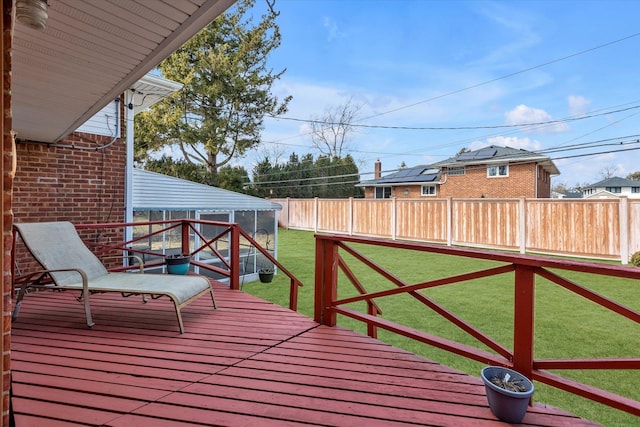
x=210 y=231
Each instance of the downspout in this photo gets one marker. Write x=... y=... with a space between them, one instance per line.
x=128 y=176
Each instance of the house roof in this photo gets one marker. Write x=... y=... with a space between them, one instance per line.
x=615 y=181
x=422 y=174
x=431 y=173
x=90 y=53
x=155 y=191
x=498 y=154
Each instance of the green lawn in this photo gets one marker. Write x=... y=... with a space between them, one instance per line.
x=566 y=325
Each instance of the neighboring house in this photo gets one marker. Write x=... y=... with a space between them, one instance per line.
x=566 y=195
x=494 y=172
x=613 y=187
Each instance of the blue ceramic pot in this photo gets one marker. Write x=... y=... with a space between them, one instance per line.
x=509 y=406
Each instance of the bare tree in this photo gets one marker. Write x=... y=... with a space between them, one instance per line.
x=608 y=172
x=330 y=133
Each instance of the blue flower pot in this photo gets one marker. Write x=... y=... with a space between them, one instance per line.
x=178 y=264
x=509 y=406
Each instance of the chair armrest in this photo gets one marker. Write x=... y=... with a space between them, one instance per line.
x=135 y=257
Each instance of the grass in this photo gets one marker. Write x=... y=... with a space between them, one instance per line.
x=566 y=325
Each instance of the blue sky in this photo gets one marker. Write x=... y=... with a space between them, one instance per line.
x=456 y=64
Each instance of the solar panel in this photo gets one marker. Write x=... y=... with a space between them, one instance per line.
x=485 y=153
x=467 y=155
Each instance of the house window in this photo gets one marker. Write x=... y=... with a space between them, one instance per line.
x=428 y=190
x=458 y=170
x=383 y=192
x=614 y=189
x=497 y=171
x=635 y=189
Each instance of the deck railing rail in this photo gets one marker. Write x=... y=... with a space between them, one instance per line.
x=229 y=235
x=330 y=261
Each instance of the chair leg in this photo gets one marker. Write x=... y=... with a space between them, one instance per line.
x=180 y=324
x=18 y=303
x=213 y=299
x=87 y=310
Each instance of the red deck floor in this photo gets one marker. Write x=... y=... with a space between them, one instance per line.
x=249 y=363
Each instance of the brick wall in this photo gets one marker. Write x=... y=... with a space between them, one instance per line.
x=83 y=184
x=521 y=182
x=6 y=184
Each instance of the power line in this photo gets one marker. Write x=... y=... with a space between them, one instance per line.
x=520 y=125
x=472 y=167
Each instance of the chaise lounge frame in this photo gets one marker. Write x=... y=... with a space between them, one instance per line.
x=68 y=264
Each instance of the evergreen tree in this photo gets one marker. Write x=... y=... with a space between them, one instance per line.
x=218 y=115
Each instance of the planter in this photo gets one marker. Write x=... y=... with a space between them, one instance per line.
x=265 y=276
x=178 y=264
x=508 y=405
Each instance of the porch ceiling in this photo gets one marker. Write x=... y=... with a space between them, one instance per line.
x=90 y=53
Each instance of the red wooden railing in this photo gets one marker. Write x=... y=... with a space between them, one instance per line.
x=229 y=233
x=329 y=261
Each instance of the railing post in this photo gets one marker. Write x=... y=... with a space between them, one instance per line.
x=184 y=230
x=326 y=281
x=234 y=257
x=623 y=213
x=523 y=320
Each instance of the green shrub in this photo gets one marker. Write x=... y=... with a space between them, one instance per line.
x=635 y=259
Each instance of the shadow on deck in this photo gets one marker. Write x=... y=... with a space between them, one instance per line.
x=248 y=363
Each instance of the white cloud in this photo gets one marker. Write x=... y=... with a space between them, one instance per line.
x=523 y=115
x=333 y=32
x=577 y=105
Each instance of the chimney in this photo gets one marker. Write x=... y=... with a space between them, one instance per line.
x=377 y=169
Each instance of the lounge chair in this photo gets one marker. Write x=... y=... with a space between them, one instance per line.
x=72 y=266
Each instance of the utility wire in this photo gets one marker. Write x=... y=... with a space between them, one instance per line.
x=519 y=125
x=467 y=168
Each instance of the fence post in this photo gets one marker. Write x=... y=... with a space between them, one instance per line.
x=394 y=220
x=326 y=281
x=350 y=216
x=449 y=221
x=624 y=230
x=315 y=214
x=523 y=225
x=524 y=295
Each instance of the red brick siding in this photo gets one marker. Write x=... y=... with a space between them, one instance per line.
x=70 y=184
x=81 y=186
x=521 y=182
x=6 y=181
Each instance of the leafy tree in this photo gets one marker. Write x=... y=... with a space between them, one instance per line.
x=234 y=178
x=634 y=176
x=178 y=168
x=218 y=115
x=324 y=177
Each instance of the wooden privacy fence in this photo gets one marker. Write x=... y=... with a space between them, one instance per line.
x=590 y=228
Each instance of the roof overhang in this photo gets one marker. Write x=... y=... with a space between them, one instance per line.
x=90 y=53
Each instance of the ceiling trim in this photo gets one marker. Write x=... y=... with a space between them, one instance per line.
x=190 y=27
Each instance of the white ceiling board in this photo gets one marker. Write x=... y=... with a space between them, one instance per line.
x=90 y=53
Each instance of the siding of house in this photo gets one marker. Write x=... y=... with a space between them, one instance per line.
x=81 y=186
x=6 y=182
x=521 y=182
x=70 y=184
x=544 y=183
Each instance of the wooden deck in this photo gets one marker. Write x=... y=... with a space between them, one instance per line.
x=249 y=363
